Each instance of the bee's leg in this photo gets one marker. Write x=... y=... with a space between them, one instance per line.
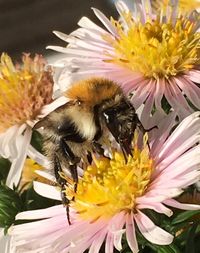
x=125 y=148
x=97 y=148
x=74 y=173
x=72 y=160
x=144 y=130
x=89 y=157
x=62 y=182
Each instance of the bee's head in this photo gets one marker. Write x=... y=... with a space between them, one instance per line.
x=121 y=120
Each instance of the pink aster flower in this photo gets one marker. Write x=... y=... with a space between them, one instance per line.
x=153 y=57
x=112 y=194
x=25 y=90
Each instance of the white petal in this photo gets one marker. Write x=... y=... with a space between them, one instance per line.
x=5 y=242
x=61 y=35
x=105 y=21
x=38 y=157
x=122 y=7
x=47 y=191
x=87 y=23
x=8 y=140
x=46 y=174
x=54 y=105
x=18 y=163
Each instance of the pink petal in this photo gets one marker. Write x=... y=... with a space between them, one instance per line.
x=130 y=233
x=190 y=89
x=42 y=213
x=176 y=204
x=79 y=234
x=188 y=131
x=109 y=246
x=158 y=195
x=115 y=228
x=166 y=123
x=193 y=75
x=158 y=207
x=175 y=98
x=151 y=232
x=141 y=94
x=159 y=91
x=190 y=159
x=97 y=242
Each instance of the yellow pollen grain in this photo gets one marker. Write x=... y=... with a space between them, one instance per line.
x=154 y=49
x=24 y=90
x=111 y=185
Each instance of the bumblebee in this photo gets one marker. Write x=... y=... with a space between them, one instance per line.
x=96 y=107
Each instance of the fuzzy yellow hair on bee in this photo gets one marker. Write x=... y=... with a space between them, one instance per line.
x=93 y=91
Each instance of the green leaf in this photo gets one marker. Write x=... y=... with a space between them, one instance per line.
x=172 y=248
x=190 y=246
x=4 y=168
x=184 y=216
x=165 y=105
x=10 y=205
x=36 y=141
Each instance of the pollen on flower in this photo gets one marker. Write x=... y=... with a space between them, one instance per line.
x=155 y=49
x=29 y=174
x=25 y=89
x=111 y=185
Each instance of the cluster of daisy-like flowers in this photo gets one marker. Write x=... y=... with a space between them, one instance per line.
x=154 y=56
x=25 y=91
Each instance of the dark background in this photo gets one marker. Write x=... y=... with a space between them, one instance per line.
x=27 y=25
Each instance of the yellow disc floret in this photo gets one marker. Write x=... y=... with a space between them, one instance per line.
x=24 y=89
x=156 y=49
x=112 y=185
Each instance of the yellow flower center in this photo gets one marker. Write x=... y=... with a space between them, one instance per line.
x=111 y=185
x=156 y=49
x=184 y=5
x=24 y=89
